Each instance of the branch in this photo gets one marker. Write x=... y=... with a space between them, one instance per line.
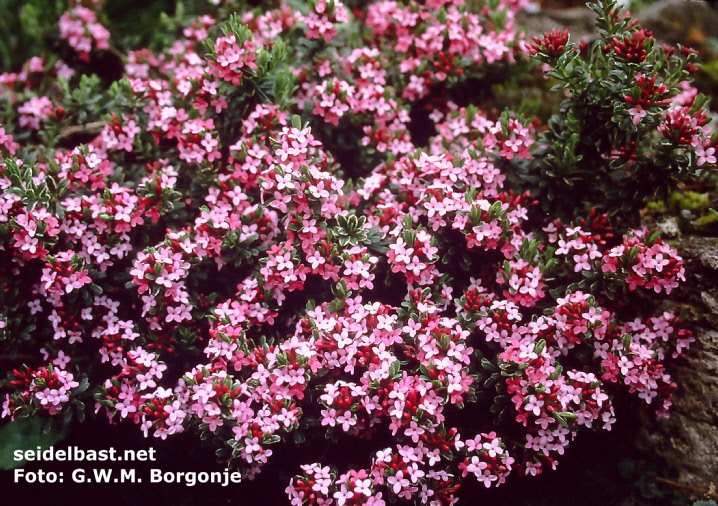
x=122 y=56
x=20 y=356
x=707 y=492
x=94 y=127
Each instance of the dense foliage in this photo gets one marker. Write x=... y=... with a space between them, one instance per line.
x=301 y=222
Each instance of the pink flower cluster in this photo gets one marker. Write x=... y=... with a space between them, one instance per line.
x=232 y=57
x=34 y=111
x=645 y=260
x=79 y=26
x=323 y=17
x=47 y=388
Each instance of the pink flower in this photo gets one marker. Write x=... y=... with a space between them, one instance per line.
x=637 y=113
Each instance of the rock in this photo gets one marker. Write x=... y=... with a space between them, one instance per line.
x=561 y=4
x=680 y=21
x=669 y=228
x=703 y=249
x=580 y=22
x=671 y=21
x=711 y=302
x=688 y=439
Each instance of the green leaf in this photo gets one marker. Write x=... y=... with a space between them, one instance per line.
x=394 y=368
x=26 y=434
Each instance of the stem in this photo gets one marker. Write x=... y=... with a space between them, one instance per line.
x=94 y=127
x=707 y=492
x=325 y=451
x=18 y=357
x=122 y=56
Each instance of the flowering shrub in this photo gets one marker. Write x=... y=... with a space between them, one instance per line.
x=657 y=132
x=206 y=263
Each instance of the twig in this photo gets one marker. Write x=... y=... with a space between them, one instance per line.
x=17 y=357
x=94 y=127
x=122 y=56
x=707 y=492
